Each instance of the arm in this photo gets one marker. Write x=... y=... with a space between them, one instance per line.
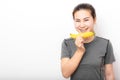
x=109 y=74
x=69 y=65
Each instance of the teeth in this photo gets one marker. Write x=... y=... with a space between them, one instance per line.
x=83 y=30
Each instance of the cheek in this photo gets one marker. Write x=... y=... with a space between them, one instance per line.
x=76 y=25
x=91 y=27
x=90 y=24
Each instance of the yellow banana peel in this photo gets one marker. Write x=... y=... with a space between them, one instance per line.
x=84 y=35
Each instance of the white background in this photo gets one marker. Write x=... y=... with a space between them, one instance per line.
x=31 y=32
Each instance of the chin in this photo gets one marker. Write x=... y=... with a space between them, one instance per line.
x=83 y=31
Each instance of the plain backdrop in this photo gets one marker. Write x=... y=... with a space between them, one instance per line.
x=31 y=33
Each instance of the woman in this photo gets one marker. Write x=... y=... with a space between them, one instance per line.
x=86 y=58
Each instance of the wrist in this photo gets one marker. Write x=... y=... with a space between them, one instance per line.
x=80 y=50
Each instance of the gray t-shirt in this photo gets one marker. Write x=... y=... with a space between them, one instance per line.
x=98 y=53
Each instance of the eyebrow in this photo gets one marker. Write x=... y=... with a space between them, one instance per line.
x=86 y=17
x=83 y=18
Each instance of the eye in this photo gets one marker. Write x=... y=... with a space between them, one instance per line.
x=77 y=20
x=86 y=19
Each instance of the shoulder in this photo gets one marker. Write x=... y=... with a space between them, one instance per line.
x=69 y=40
x=101 y=39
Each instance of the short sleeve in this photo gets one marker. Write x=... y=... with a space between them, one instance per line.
x=109 y=56
x=64 y=50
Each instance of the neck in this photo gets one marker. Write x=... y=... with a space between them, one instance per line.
x=88 y=40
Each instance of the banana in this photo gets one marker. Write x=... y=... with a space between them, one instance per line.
x=84 y=35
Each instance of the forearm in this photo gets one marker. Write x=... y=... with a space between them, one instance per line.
x=109 y=72
x=109 y=77
x=70 y=66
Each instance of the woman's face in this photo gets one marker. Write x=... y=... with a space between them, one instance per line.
x=83 y=21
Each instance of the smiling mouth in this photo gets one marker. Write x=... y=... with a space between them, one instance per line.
x=84 y=30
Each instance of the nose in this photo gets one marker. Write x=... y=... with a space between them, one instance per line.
x=82 y=25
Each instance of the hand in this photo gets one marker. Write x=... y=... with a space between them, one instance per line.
x=79 y=42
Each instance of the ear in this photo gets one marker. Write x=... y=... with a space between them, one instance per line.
x=95 y=20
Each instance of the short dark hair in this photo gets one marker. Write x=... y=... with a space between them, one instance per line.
x=86 y=6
